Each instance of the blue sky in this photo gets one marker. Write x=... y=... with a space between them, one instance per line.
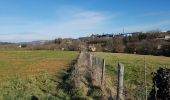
x=28 y=20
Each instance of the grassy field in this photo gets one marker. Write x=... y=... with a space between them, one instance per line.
x=31 y=62
x=24 y=74
x=134 y=69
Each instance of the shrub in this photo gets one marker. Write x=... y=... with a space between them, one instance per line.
x=161 y=81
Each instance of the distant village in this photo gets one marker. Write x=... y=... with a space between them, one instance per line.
x=125 y=34
x=130 y=41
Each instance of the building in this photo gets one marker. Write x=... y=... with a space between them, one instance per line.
x=167 y=37
x=92 y=48
x=20 y=46
x=102 y=36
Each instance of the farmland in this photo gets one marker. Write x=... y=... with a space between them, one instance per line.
x=134 y=69
x=31 y=62
x=25 y=74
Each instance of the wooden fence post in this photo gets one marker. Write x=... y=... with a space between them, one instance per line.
x=145 y=79
x=120 y=82
x=103 y=72
x=91 y=60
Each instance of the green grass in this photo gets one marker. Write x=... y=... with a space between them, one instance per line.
x=134 y=69
x=42 y=86
x=30 y=62
x=24 y=74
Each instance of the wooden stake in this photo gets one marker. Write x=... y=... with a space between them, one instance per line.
x=103 y=72
x=91 y=60
x=120 y=82
x=145 y=80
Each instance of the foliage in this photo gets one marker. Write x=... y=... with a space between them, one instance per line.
x=142 y=36
x=161 y=81
x=166 y=50
x=23 y=45
x=58 y=41
x=151 y=42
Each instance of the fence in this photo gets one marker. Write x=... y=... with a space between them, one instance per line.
x=92 y=67
x=137 y=74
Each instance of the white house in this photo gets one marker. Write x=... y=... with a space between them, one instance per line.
x=92 y=48
x=20 y=46
x=167 y=37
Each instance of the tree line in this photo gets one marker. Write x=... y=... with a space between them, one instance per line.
x=153 y=43
x=141 y=43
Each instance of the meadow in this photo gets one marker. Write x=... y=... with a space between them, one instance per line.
x=26 y=63
x=24 y=74
x=35 y=74
x=134 y=70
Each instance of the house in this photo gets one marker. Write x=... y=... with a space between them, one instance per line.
x=168 y=31
x=20 y=46
x=92 y=48
x=102 y=36
x=167 y=37
x=107 y=35
x=123 y=35
x=159 y=46
x=62 y=49
x=127 y=34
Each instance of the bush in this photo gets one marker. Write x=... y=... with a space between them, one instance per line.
x=166 y=50
x=95 y=92
x=161 y=81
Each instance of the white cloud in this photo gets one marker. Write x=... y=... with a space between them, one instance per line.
x=82 y=22
x=66 y=24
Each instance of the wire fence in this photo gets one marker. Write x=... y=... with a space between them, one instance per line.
x=137 y=79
